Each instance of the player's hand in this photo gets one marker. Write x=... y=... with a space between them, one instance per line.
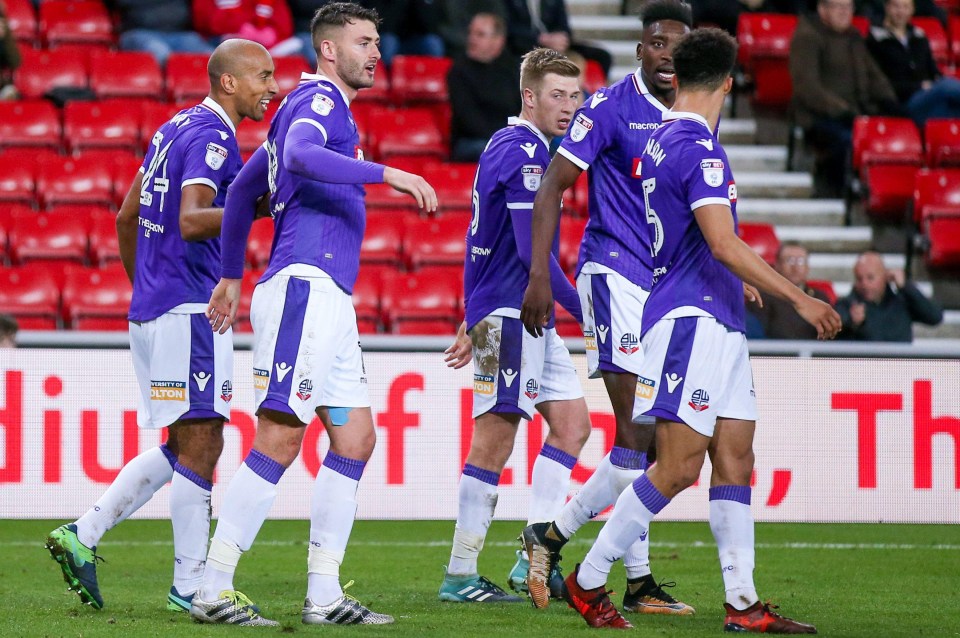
x=858 y=313
x=224 y=302
x=821 y=316
x=461 y=351
x=263 y=207
x=537 y=304
x=413 y=185
x=752 y=295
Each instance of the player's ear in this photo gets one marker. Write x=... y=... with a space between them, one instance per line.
x=528 y=95
x=639 y=50
x=727 y=85
x=674 y=83
x=327 y=49
x=228 y=82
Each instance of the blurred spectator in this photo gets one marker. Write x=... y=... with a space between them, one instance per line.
x=408 y=27
x=875 y=11
x=455 y=21
x=8 y=331
x=903 y=53
x=159 y=27
x=834 y=80
x=484 y=87
x=9 y=57
x=303 y=12
x=726 y=13
x=267 y=22
x=777 y=318
x=883 y=305
x=544 y=23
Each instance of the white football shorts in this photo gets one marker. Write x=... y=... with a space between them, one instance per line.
x=612 y=315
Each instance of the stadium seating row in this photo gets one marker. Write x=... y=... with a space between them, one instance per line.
x=60 y=21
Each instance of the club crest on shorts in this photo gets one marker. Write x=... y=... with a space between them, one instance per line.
x=322 y=104
x=699 y=400
x=215 y=157
x=581 y=126
x=712 y=171
x=629 y=344
x=305 y=391
x=533 y=389
x=531 y=176
x=226 y=391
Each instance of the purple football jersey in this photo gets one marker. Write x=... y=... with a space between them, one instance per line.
x=684 y=168
x=608 y=135
x=508 y=177
x=197 y=146
x=316 y=223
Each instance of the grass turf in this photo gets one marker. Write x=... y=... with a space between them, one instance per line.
x=849 y=580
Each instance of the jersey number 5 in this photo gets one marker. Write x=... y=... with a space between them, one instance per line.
x=652 y=218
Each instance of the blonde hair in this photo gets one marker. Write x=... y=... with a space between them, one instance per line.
x=539 y=62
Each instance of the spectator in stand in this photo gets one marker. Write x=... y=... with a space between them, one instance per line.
x=883 y=304
x=455 y=21
x=726 y=13
x=903 y=53
x=8 y=331
x=409 y=27
x=303 y=12
x=9 y=57
x=159 y=27
x=834 y=80
x=484 y=87
x=266 y=22
x=544 y=23
x=778 y=318
x=876 y=11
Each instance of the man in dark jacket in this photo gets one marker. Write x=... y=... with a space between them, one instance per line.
x=883 y=305
x=159 y=27
x=484 y=87
x=834 y=80
x=544 y=23
x=778 y=318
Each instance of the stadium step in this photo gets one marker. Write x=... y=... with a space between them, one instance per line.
x=797 y=212
x=593 y=7
x=839 y=266
x=773 y=184
x=749 y=157
x=605 y=27
x=850 y=239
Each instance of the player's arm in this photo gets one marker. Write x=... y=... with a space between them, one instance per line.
x=461 y=350
x=128 y=221
x=305 y=154
x=198 y=219
x=716 y=224
x=560 y=175
x=239 y=211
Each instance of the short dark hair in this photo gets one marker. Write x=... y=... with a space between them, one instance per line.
x=499 y=24
x=704 y=59
x=8 y=326
x=658 y=10
x=340 y=14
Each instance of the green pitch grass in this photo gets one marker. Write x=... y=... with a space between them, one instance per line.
x=849 y=580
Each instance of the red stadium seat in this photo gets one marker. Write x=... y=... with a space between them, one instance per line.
x=31 y=295
x=409 y=131
x=888 y=189
x=433 y=242
x=939 y=43
x=571 y=234
x=594 y=79
x=944 y=240
x=29 y=123
x=71 y=21
x=954 y=24
x=17 y=180
x=453 y=183
x=764 y=54
x=153 y=115
x=762 y=238
x=48 y=237
x=862 y=24
x=103 y=124
x=96 y=298
x=442 y=113
x=251 y=134
x=287 y=72
x=383 y=196
x=383 y=238
x=419 y=78
x=186 y=75
x=74 y=181
x=41 y=71
x=424 y=302
x=22 y=20
x=259 y=242
x=824 y=286
x=104 y=243
x=8 y=212
x=886 y=154
x=125 y=74
x=943 y=142
x=367 y=291
x=936 y=210
x=380 y=90
x=565 y=324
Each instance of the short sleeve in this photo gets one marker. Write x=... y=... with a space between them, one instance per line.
x=324 y=111
x=521 y=171
x=707 y=177
x=591 y=130
x=209 y=158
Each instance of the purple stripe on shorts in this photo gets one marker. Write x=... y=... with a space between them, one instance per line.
x=602 y=320
x=264 y=467
x=628 y=459
x=351 y=468
x=193 y=477
x=170 y=456
x=288 y=339
x=508 y=378
x=738 y=493
x=675 y=364
x=488 y=477
x=649 y=495
x=201 y=379
x=561 y=457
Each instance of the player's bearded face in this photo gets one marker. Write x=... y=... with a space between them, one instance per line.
x=357 y=54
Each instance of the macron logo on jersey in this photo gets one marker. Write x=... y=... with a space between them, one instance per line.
x=597 y=99
x=529 y=148
x=707 y=144
x=282 y=371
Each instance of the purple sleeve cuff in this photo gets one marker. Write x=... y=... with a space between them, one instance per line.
x=239 y=213
x=304 y=154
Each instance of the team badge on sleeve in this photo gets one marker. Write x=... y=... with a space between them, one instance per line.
x=581 y=126
x=322 y=104
x=531 y=176
x=215 y=157
x=712 y=171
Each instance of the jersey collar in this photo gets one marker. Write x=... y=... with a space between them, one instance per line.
x=214 y=106
x=519 y=121
x=315 y=77
x=671 y=116
x=645 y=92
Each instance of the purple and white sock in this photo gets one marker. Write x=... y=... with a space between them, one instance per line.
x=477 y=500
x=190 y=515
x=549 y=484
x=731 y=522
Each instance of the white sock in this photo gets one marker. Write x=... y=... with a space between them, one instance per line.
x=635 y=508
x=190 y=515
x=135 y=484
x=549 y=484
x=333 y=509
x=245 y=506
x=618 y=469
x=637 y=559
x=477 y=502
x=731 y=522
